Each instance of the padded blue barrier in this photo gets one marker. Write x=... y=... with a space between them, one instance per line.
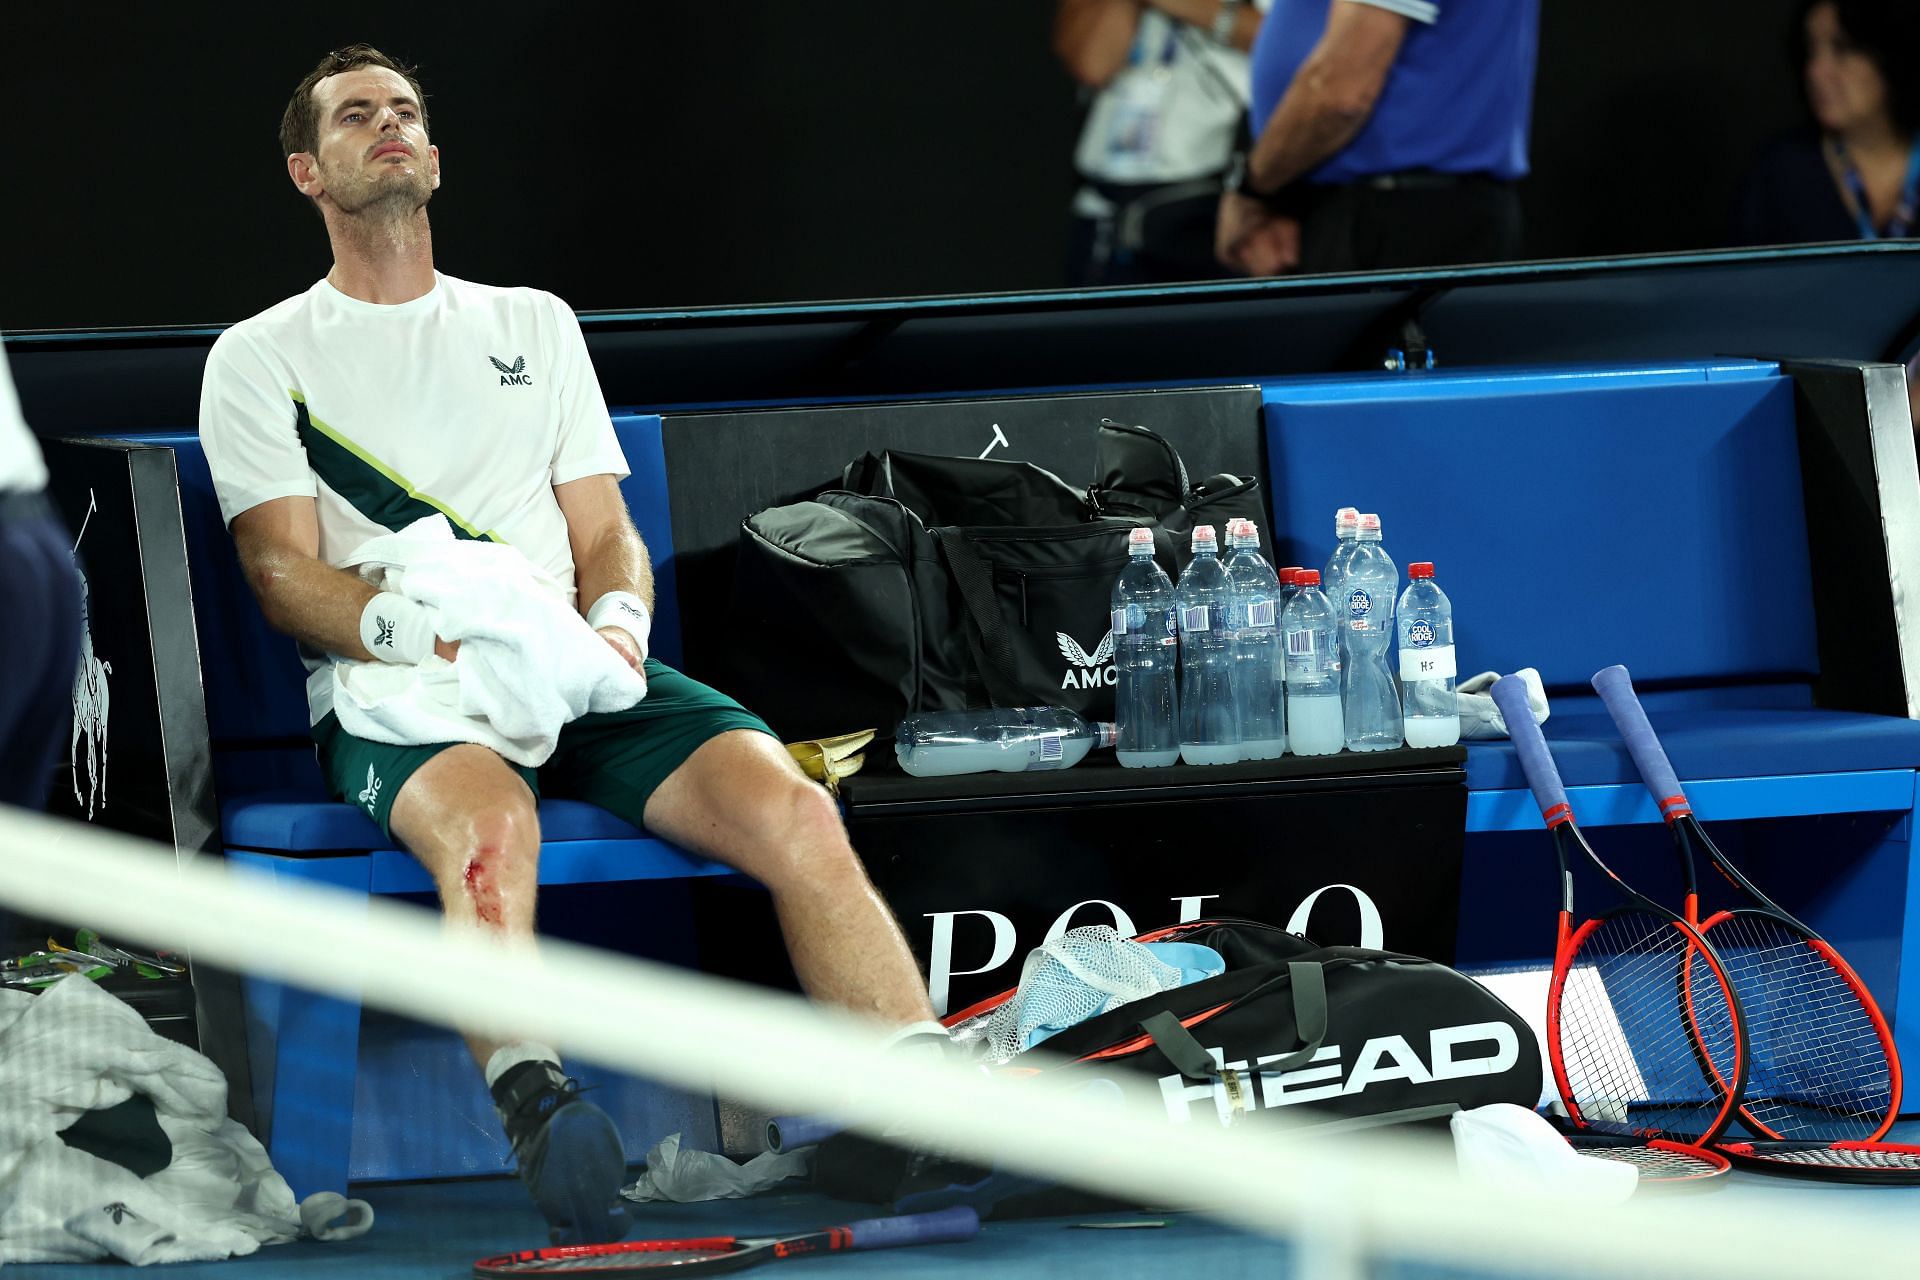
x=1678 y=548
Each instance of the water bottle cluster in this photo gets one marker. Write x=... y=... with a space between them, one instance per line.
x=1268 y=662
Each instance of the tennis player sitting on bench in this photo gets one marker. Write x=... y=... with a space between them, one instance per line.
x=326 y=420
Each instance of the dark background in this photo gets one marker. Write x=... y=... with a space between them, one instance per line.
x=653 y=156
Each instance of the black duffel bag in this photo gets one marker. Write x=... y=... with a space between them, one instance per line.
x=934 y=584
x=1325 y=1036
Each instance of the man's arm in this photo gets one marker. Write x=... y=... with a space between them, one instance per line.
x=1331 y=96
x=279 y=546
x=608 y=554
x=1092 y=37
x=1204 y=14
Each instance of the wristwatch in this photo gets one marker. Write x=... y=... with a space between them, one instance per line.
x=1223 y=21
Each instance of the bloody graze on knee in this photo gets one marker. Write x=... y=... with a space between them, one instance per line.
x=482 y=889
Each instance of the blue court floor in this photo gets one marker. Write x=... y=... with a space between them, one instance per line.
x=434 y=1231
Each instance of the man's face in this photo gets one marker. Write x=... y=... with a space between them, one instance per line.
x=373 y=151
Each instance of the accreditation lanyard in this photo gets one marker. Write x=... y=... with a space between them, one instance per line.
x=1901 y=224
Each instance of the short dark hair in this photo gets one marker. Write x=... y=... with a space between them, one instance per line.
x=300 y=126
x=1888 y=33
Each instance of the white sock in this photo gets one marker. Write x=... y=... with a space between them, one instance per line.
x=920 y=1037
x=508 y=1056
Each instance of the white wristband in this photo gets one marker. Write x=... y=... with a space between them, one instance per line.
x=622 y=609
x=396 y=629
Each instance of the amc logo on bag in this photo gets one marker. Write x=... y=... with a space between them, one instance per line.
x=1003 y=950
x=1087 y=670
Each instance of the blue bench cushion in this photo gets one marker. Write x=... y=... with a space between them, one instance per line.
x=1708 y=743
x=286 y=822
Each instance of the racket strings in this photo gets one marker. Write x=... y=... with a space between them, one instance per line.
x=1643 y=1018
x=628 y=1261
x=1819 y=1068
x=1656 y=1163
x=1891 y=1159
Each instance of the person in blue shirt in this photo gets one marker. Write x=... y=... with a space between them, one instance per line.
x=1387 y=134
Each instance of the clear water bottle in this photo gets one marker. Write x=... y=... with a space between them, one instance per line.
x=1372 y=711
x=1209 y=716
x=941 y=744
x=1289 y=583
x=1146 y=659
x=1259 y=667
x=1424 y=623
x=1310 y=632
x=1346 y=537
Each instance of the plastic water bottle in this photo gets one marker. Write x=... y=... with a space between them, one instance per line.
x=1311 y=634
x=1209 y=719
x=940 y=744
x=1372 y=711
x=1259 y=666
x=1146 y=659
x=1346 y=536
x=1424 y=623
x=1288 y=584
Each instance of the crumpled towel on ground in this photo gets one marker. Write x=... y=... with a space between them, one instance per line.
x=1507 y=1145
x=682 y=1175
x=1479 y=718
x=75 y=1049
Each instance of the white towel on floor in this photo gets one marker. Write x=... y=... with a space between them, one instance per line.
x=528 y=661
x=74 y=1048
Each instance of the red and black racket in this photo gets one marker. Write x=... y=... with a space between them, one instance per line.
x=1874 y=1164
x=1644 y=1034
x=1664 y=1165
x=1824 y=1071
x=710 y=1255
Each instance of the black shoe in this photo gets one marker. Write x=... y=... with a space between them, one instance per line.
x=568 y=1152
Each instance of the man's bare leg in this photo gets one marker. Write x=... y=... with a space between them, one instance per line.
x=741 y=800
x=470 y=820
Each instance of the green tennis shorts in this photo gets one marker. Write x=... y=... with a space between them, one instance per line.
x=615 y=759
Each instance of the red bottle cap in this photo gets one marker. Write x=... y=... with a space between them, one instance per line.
x=1420 y=569
x=1290 y=576
x=1307 y=578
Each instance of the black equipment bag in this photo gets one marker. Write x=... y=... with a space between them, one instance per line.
x=935 y=584
x=1325 y=1035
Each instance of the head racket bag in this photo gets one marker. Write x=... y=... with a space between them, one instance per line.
x=1321 y=1035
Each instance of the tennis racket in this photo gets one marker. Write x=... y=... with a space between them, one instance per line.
x=1823 y=1066
x=1879 y=1164
x=1644 y=1034
x=710 y=1255
x=1662 y=1165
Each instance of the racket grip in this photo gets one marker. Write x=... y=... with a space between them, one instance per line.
x=785 y=1133
x=1615 y=688
x=1510 y=695
x=960 y=1223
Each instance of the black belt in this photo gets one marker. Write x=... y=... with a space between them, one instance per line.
x=1422 y=180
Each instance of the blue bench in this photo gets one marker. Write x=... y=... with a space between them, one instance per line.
x=1579 y=518
x=426 y=1113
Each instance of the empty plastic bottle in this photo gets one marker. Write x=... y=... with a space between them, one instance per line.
x=1424 y=623
x=1346 y=536
x=1146 y=659
x=1209 y=716
x=1372 y=710
x=1311 y=635
x=1259 y=664
x=940 y=744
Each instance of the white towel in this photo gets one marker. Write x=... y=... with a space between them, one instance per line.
x=73 y=1048
x=1480 y=718
x=528 y=662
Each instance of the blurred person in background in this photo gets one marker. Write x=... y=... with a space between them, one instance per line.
x=1171 y=87
x=1388 y=134
x=40 y=592
x=1855 y=174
